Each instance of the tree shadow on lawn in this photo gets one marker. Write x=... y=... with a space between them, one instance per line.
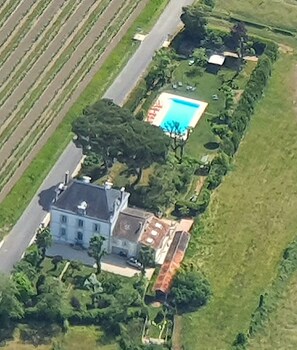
x=211 y=146
x=38 y=334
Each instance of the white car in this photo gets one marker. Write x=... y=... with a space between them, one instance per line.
x=134 y=263
x=191 y=62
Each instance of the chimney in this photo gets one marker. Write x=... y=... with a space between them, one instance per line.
x=66 y=178
x=122 y=193
x=86 y=179
x=108 y=185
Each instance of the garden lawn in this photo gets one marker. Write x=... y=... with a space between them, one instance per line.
x=277 y=13
x=206 y=86
x=77 y=338
x=202 y=140
x=251 y=219
x=281 y=329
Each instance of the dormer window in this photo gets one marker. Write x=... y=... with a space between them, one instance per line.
x=82 y=208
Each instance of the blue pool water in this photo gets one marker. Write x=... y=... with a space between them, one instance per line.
x=181 y=112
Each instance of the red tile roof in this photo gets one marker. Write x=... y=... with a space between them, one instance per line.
x=172 y=261
x=154 y=234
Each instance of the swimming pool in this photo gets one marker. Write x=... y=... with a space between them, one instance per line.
x=181 y=111
x=170 y=109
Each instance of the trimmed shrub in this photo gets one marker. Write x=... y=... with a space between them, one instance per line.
x=75 y=303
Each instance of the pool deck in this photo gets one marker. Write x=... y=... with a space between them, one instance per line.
x=160 y=109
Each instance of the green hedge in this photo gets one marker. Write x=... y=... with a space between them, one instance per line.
x=253 y=92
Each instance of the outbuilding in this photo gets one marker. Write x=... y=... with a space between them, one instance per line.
x=214 y=63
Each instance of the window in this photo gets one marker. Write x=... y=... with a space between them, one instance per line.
x=62 y=231
x=80 y=236
x=80 y=223
x=96 y=227
x=63 y=219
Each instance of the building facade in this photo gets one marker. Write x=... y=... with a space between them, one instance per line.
x=82 y=210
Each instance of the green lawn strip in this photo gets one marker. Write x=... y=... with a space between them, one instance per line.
x=93 y=338
x=280 y=38
x=25 y=146
x=250 y=220
x=201 y=140
x=76 y=338
x=153 y=11
x=276 y=13
x=34 y=55
x=206 y=85
x=23 y=30
x=19 y=197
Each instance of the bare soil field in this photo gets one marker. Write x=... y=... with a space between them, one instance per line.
x=49 y=51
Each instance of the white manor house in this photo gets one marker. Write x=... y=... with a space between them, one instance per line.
x=82 y=209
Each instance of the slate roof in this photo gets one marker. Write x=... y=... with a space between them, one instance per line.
x=172 y=261
x=130 y=224
x=100 y=201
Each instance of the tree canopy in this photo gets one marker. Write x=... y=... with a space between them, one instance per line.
x=200 y=57
x=51 y=302
x=195 y=23
x=10 y=306
x=112 y=132
x=146 y=257
x=43 y=240
x=239 y=40
x=162 y=69
x=97 y=251
x=190 y=290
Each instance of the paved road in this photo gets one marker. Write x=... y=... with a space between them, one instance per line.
x=22 y=233
x=166 y=25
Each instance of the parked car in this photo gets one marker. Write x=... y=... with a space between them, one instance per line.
x=134 y=263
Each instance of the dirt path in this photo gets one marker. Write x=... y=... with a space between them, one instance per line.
x=177 y=329
x=74 y=97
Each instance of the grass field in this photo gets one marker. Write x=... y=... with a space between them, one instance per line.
x=251 y=219
x=281 y=330
x=277 y=13
x=77 y=338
